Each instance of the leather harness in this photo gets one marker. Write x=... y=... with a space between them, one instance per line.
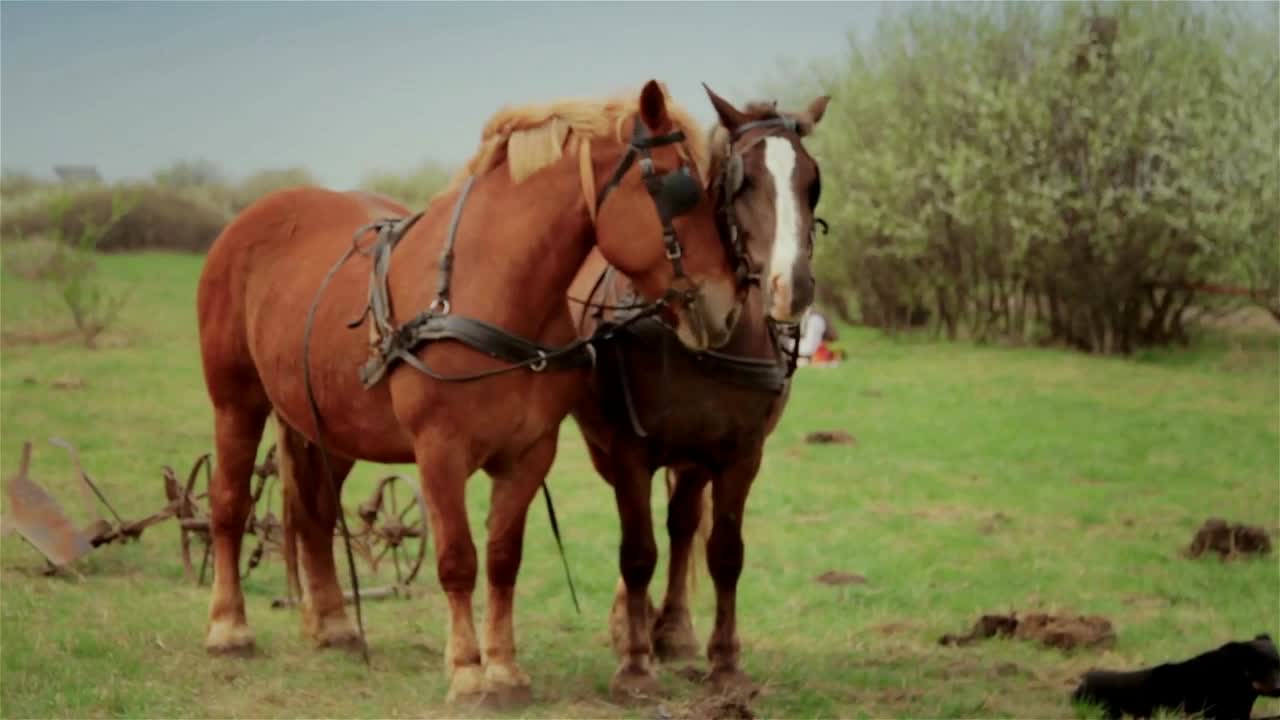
x=765 y=375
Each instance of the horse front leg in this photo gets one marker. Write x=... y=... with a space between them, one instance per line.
x=724 y=559
x=445 y=467
x=673 y=636
x=638 y=555
x=516 y=481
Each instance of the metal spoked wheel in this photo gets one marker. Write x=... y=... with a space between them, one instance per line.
x=392 y=522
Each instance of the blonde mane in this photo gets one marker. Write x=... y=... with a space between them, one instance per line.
x=531 y=137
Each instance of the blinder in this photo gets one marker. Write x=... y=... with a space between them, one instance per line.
x=674 y=193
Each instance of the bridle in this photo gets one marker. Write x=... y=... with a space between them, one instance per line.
x=674 y=193
x=728 y=183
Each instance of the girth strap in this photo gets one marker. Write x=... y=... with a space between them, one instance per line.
x=489 y=339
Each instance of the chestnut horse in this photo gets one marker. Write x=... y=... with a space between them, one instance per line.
x=501 y=244
x=705 y=415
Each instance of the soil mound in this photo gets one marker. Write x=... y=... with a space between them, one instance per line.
x=1065 y=632
x=1229 y=541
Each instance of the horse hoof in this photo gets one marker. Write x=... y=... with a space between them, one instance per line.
x=673 y=639
x=731 y=681
x=466 y=685
x=344 y=640
x=506 y=686
x=630 y=684
x=338 y=635
x=229 y=639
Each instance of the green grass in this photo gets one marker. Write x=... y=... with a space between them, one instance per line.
x=983 y=480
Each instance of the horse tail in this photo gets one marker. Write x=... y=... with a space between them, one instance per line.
x=698 y=559
x=698 y=555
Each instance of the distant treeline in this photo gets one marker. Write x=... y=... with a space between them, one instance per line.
x=183 y=207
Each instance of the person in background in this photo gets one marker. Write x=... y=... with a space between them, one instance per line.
x=813 y=348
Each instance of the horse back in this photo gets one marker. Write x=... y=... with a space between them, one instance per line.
x=282 y=236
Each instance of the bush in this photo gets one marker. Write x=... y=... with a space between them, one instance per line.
x=17 y=183
x=266 y=181
x=1066 y=173
x=70 y=267
x=413 y=189
x=157 y=218
x=186 y=174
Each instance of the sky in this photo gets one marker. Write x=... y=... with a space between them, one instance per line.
x=347 y=88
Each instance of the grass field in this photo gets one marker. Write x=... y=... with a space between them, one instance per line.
x=983 y=480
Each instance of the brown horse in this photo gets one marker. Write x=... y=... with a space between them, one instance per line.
x=503 y=244
x=704 y=415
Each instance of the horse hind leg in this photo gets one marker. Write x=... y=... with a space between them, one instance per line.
x=687 y=526
x=311 y=510
x=238 y=426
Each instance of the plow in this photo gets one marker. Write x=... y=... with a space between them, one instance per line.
x=388 y=529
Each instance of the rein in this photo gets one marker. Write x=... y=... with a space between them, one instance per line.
x=674 y=193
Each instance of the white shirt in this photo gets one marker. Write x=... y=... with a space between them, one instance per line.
x=812 y=328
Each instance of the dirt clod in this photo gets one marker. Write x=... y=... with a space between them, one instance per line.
x=1229 y=541
x=829 y=437
x=68 y=382
x=718 y=707
x=993 y=523
x=835 y=577
x=691 y=673
x=1065 y=632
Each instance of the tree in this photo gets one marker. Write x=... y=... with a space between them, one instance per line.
x=1068 y=173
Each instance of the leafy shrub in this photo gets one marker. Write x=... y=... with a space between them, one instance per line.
x=70 y=267
x=17 y=183
x=1068 y=173
x=185 y=174
x=412 y=189
x=266 y=181
x=157 y=218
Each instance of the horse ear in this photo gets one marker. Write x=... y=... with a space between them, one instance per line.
x=653 y=107
x=813 y=114
x=730 y=116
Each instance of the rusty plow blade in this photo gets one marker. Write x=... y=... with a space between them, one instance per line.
x=40 y=520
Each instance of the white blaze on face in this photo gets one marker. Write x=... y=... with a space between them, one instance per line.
x=780 y=161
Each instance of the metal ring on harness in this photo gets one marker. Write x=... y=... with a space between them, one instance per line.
x=541 y=363
x=440 y=306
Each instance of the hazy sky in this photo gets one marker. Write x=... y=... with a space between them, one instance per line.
x=344 y=88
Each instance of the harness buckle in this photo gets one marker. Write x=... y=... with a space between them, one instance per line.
x=540 y=364
x=673 y=248
x=440 y=306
